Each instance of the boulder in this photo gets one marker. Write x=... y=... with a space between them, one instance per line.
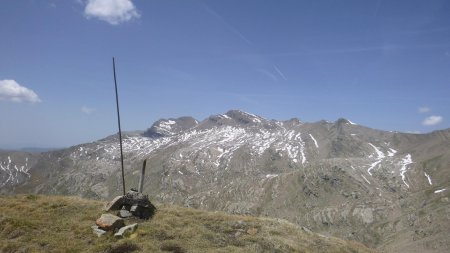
x=127 y=229
x=109 y=222
x=115 y=204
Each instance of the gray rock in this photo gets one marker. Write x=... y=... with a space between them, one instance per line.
x=99 y=232
x=127 y=229
x=134 y=208
x=125 y=213
x=307 y=230
x=109 y=222
x=115 y=204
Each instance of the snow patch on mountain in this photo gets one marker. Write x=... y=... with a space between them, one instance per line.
x=365 y=179
x=380 y=157
x=379 y=153
x=315 y=142
x=428 y=177
x=255 y=118
x=166 y=125
x=225 y=140
x=269 y=176
x=14 y=172
x=407 y=160
x=391 y=152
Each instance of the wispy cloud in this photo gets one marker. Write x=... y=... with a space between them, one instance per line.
x=279 y=72
x=357 y=49
x=10 y=90
x=268 y=74
x=275 y=74
x=227 y=24
x=432 y=120
x=111 y=11
x=424 y=109
x=87 y=110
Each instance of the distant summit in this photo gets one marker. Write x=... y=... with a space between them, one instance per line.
x=170 y=127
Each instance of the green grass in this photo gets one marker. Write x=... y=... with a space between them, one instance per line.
x=35 y=223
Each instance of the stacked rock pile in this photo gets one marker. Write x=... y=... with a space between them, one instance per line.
x=131 y=205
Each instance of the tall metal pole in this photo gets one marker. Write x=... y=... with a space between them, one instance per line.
x=141 y=180
x=120 y=130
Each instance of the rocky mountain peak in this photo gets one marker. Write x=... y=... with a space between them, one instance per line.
x=342 y=121
x=242 y=117
x=292 y=122
x=235 y=118
x=171 y=126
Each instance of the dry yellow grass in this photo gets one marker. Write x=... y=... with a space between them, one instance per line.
x=35 y=223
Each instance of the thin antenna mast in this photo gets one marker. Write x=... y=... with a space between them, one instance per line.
x=120 y=130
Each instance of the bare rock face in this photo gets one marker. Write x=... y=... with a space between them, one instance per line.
x=109 y=222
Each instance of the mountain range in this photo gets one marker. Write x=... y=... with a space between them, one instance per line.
x=388 y=190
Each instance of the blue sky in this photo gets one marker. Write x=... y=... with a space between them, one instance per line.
x=382 y=64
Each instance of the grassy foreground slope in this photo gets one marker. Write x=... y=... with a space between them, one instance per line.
x=36 y=223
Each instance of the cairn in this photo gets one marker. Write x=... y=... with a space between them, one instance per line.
x=134 y=204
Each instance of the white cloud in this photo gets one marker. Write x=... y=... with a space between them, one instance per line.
x=424 y=109
x=111 y=11
x=87 y=110
x=10 y=90
x=432 y=120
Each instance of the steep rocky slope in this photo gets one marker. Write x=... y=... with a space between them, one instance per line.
x=386 y=189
